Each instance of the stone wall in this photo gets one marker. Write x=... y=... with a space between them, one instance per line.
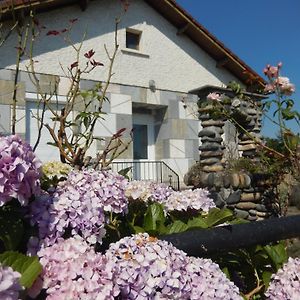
x=248 y=195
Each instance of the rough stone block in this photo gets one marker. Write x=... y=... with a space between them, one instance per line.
x=192 y=128
x=6 y=74
x=121 y=104
x=48 y=83
x=177 y=148
x=7 y=90
x=166 y=96
x=124 y=121
x=153 y=97
x=173 y=110
x=5 y=118
x=138 y=94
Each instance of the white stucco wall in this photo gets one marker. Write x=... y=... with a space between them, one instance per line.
x=173 y=62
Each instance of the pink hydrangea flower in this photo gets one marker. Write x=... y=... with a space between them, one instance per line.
x=72 y=270
x=20 y=170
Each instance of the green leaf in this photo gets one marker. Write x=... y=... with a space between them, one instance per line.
x=52 y=144
x=177 y=226
x=198 y=222
x=138 y=229
x=218 y=216
x=266 y=277
x=124 y=172
x=28 y=267
x=277 y=254
x=11 y=228
x=154 y=217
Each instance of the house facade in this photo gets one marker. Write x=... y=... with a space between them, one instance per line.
x=163 y=54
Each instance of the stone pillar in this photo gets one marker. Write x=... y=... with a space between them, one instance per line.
x=211 y=149
x=250 y=196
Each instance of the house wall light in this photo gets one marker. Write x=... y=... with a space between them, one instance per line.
x=152 y=85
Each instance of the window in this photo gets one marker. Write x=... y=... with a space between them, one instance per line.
x=133 y=38
x=140 y=141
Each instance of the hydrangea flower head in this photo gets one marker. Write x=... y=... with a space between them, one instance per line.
x=285 y=284
x=9 y=283
x=20 y=170
x=79 y=205
x=197 y=199
x=147 y=268
x=209 y=282
x=57 y=169
x=72 y=270
x=148 y=191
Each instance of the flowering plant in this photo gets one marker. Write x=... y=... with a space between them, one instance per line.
x=148 y=268
x=20 y=170
x=79 y=204
x=73 y=270
x=285 y=284
x=9 y=283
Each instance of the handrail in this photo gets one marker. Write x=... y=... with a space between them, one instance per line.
x=157 y=171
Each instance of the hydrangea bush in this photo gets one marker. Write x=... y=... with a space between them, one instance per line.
x=73 y=216
x=79 y=204
x=285 y=284
x=20 y=170
x=9 y=283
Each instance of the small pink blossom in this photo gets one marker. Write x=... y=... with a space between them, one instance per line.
x=285 y=86
x=214 y=96
x=272 y=71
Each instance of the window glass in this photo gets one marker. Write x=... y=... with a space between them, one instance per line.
x=140 y=141
x=132 y=40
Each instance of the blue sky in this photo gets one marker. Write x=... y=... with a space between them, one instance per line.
x=259 y=32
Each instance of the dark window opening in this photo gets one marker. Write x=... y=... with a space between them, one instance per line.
x=140 y=141
x=133 y=40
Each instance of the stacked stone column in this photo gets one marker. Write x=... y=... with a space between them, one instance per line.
x=248 y=195
x=211 y=149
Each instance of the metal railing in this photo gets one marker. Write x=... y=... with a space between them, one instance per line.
x=157 y=171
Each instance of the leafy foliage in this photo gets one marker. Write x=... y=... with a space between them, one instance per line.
x=28 y=267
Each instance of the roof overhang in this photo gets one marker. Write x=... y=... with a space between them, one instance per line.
x=225 y=58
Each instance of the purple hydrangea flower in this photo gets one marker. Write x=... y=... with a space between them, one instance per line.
x=79 y=204
x=147 y=268
x=20 y=170
x=72 y=270
x=9 y=283
x=285 y=284
x=209 y=282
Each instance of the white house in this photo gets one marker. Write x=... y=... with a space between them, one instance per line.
x=163 y=54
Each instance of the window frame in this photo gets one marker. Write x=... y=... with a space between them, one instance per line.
x=134 y=33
